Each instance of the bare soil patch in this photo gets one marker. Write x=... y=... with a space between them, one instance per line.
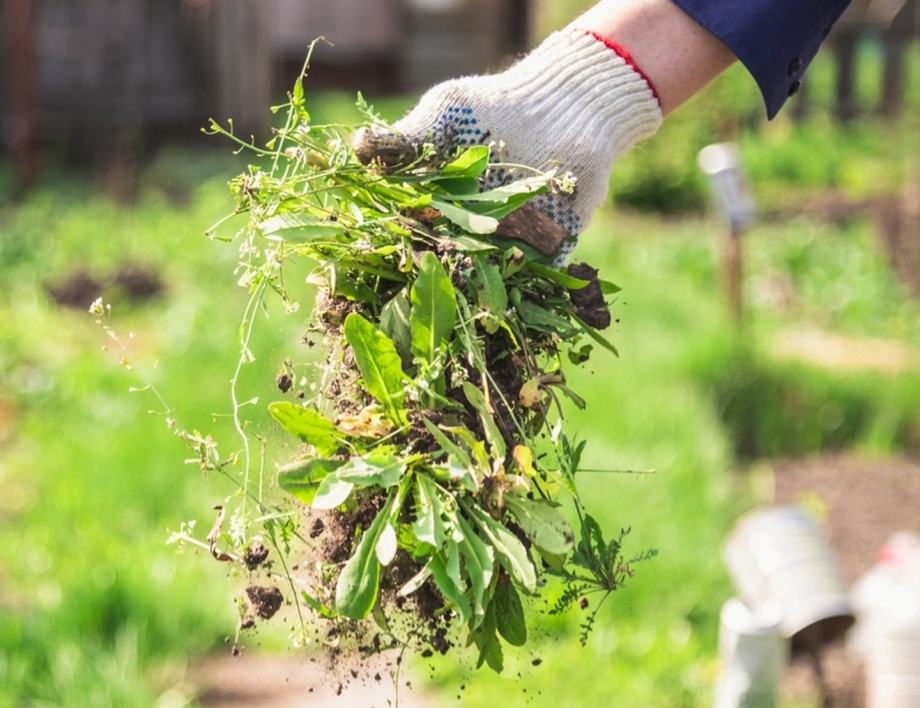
x=863 y=501
x=293 y=682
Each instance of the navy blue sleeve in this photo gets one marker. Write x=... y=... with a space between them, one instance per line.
x=775 y=39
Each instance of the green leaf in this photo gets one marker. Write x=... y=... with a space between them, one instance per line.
x=526 y=187
x=509 y=550
x=608 y=288
x=299 y=227
x=545 y=321
x=384 y=471
x=472 y=162
x=394 y=322
x=490 y=649
x=434 y=308
x=387 y=545
x=317 y=606
x=456 y=187
x=302 y=482
x=467 y=220
x=380 y=365
x=466 y=244
x=509 y=615
x=428 y=525
x=544 y=525
x=490 y=288
x=446 y=571
x=447 y=444
x=332 y=493
x=479 y=559
x=308 y=425
x=345 y=286
x=596 y=336
x=359 y=582
x=487 y=416
x=557 y=276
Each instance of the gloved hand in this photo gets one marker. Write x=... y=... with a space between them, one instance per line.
x=574 y=103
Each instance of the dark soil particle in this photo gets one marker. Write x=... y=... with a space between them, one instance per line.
x=316 y=528
x=589 y=302
x=340 y=528
x=284 y=383
x=255 y=555
x=265 y=601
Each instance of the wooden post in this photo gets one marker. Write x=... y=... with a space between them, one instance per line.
x=734 y=273
x=893 y=75
x=23 y=81
x=242 y=65
x=722 y=166
x=895 y=39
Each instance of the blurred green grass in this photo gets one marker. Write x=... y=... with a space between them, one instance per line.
x=96 y=610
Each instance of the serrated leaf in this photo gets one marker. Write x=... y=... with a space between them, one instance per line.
x=509 y=615
x=434 y=308
x=509 y=550
x=308 y=425
x=374 y=469
x=380 y=365
x=303 y=482
x=359 y=582
x=490 y=288
x=544 y=525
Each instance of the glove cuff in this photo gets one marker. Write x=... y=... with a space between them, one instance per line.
x=585 y=86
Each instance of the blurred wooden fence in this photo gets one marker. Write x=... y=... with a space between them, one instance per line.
x=110 y=75
x=897 y=23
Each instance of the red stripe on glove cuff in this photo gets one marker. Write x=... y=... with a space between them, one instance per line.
x=627 y=57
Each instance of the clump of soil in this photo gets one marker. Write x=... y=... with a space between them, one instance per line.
x=589 y=302
x=264 y=601
x=256 y=554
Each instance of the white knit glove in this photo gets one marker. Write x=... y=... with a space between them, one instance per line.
x=574 y=103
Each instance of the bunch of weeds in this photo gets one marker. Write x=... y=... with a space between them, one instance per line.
x=435 y=434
